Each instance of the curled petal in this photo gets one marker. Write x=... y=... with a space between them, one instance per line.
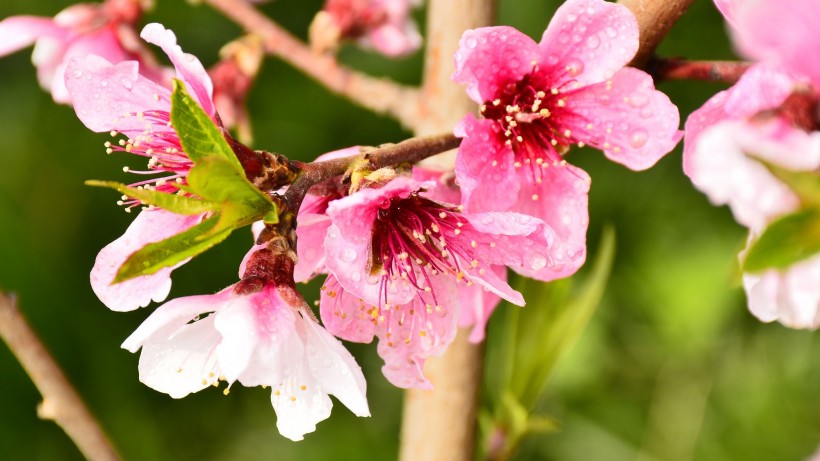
x=188 y=67
x=628 y=119
x=490 y=58
x=149 y=227
x=590 y=39
x=477 y=304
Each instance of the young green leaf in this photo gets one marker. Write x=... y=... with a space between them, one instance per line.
x=172 y=202
x=173 y=250
x=198 y=134
x=215 y=179
x=786 y=241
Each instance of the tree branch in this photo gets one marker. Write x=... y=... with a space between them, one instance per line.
x=683 y=69
x=377 y=94
x=60 y=401
x=655 y=19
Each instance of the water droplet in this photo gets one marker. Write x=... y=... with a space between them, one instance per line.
x=348 y=255
x=552 y=59
x=611 y=32
x=605 y=99
x=638 y=138
x=575 y=67
x=77 y=73
x=356 y=276
x=514 y=63
x=103 y=83
x=470 y=43
x=537 y=261
x=593 y=41
x=563 y=38
x=638 y=100
x=646 y=112
x=126 y=83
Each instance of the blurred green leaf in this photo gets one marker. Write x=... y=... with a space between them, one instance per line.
x=173 y=250
x=806 y=184
x=198 y=134
x=179 y=204
x=786 y=241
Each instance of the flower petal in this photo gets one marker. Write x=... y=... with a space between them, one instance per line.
x=490 y=58
x=484 y=167
x=591 y=39
x=299 y=402
x=477 y=304
x=188 y=67
x=345 y=315
x=634 y=124
x=310 y=237
x=148 y=227
x=103 y=94
x=784 y=33
x=18 y=32
x=332 y=366
x=790 y=296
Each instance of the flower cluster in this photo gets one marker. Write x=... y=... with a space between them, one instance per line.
x=408 y=255
x=768 y=119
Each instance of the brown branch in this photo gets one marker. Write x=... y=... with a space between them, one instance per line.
x=377 y=94
x=683 y=69
x=655 y=19
x=60 y=401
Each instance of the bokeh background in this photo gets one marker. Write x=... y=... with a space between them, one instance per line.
x=671 y=367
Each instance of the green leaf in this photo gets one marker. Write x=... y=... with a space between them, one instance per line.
x=805 y=184
x=173 y=250
x=172 y=202
x=198 y=134
x=786 y=241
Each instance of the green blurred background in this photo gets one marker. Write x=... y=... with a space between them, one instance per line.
x=671 y=367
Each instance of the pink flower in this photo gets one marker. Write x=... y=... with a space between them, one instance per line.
x=384 y=25
x=257 y=339
x=782 y=33
x=102 y=29
x=537 y=99
x=116 y=98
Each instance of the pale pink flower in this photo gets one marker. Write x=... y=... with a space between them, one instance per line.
x=257 y=339
x=105 y=29
x=537 y=99
x=116 y=98
x=383 y=25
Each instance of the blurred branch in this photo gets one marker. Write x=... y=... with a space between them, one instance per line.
x=684 y=69
x=377 y=94
x=60 y=401
x=655 y=19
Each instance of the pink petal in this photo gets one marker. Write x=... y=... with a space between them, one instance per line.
x=150 y=226
x=592 y=37
x=310 y=237
x=477 y=304
x=629 y=120
x=18 y=32
x=729 y=9
x=762 y=87
x=253 y=329
x=354 y=214
x=445 y=189
x=410 y=333
x=345 y=315
x=395 y=39
x=299 y=401
x=484 y=167
x=103 y=94
x=783 y=33
x=790 y=296
x=490 y=58
x=188 y=67
x=332 y=366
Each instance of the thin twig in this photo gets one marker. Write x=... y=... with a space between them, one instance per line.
x=60 y=401
x=683 y=69
x=655 y=19
x=380 y=95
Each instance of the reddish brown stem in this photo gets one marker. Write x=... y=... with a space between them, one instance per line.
x=60 y=401
x=655 y=19
x=683 y=69
x=377 y=94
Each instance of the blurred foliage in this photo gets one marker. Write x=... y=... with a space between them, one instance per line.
x=671 y=367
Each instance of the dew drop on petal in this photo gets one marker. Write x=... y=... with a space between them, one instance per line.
x=471 y=43
x=126 y=83
x=574 y=67
x=356 y=276
x=348 y=255
x=103 y=83
x=638 y=139
x=77 y=73
x=611 y=32
x=593 y=41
